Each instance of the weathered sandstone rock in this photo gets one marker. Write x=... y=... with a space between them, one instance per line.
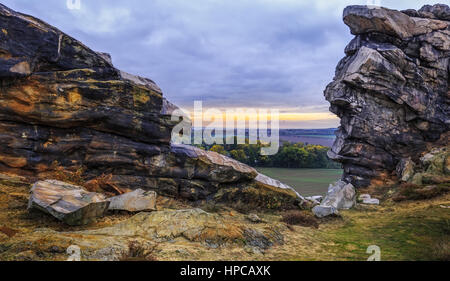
x=65 y=106
x=66 y=202
x=187 y=230
x=391 y=92
x=405 y=169
x=134 y=201
x=341 y=195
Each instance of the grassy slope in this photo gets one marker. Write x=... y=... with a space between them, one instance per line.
x=307 y=182
x=404 y=231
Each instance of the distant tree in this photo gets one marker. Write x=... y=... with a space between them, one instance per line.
x=219 y=149
x=290 y=155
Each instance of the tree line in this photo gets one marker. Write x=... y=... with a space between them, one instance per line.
x=290 y=155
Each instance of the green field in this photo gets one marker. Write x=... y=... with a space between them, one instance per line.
x=307 y=182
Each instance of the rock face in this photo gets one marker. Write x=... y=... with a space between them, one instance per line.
x=391 y=92
x=68 y=203
x=63 y=105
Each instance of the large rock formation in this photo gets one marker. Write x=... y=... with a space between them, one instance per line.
x=391 y=91
x=63 y=105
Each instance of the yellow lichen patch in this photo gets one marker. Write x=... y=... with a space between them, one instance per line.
x=22 y=68
x=13 y=162
x=60 y=100
x=4 y=31
x=74 y=97
x=140 y=98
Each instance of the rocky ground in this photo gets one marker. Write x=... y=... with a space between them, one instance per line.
x=407 y=230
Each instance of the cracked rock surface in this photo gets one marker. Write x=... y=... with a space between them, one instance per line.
x=391 y=90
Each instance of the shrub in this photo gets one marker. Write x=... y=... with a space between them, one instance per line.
x=138 y=252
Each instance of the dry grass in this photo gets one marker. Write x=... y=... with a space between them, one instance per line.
x=441 y=250
x=408 y=191
x=8 y=231
x=300 y=218
x=105 y=184
x=138 y=252
x=62 y=174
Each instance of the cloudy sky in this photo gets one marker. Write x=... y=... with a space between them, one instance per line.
x=226 y=53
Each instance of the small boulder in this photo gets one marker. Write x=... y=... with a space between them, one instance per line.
x=362 y=197
x=136 y=201
x=324 y=211
x=66 y=202
x=341 y=195
x=371 y=201
x=254 y=218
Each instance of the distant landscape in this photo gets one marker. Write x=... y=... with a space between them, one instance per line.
x=301 y=161
x=307 y=182
x=324 y=137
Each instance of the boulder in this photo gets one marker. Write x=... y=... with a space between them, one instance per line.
x=66 y=202
x=390 y=92
x=341 y=195
x=134 y=201
x=324 y=211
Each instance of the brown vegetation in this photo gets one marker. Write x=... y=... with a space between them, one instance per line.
x=104 y=184
x=8 y=231
x=138 y=252
x=63 y=174
x=300 y=218
x=408 y=191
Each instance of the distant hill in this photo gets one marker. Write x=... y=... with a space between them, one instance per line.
x=323 y=137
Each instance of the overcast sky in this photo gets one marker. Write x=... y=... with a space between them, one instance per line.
x=227 y=53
